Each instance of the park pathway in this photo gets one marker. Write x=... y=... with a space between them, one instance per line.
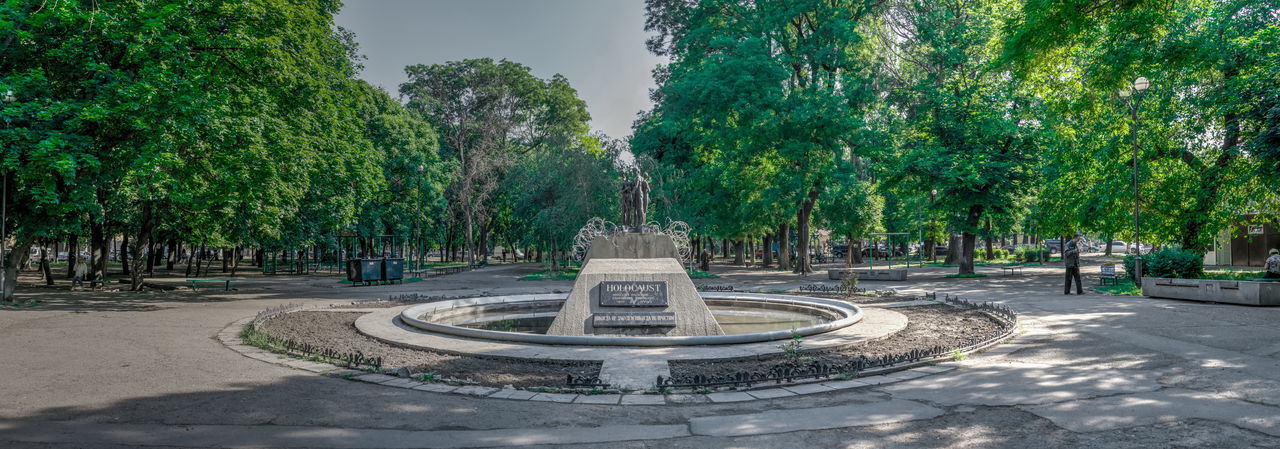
x=89 y=370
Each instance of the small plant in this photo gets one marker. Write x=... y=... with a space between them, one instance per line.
x=429 y=377
x=848 y=375
x=958 y=355
x=793 y=349
x=703 y=390
x=661 y=390
x=849 y=285
x=544 y=390
x=348 y=376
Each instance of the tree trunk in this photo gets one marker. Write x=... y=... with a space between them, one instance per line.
x=172 y=253
x=124 y=254
x=784 y=246
x=768 y=250
x=802 y=230
x=739 y=249
x=966 y=253
x=44 y=265
x=953 y=250
x=990 y=255
x=1107 y=250
x=73 y=254
x=21 y=249
x=848 y=251
x=97 y=251
x=143 y=242
x=931 y=247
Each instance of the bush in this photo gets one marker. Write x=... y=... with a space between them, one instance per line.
x=1168 y=263
x=996 y=254
x=1027 y=253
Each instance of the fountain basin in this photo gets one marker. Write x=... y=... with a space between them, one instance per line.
x=466 y=318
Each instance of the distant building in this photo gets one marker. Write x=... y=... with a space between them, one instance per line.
x=1244 y=243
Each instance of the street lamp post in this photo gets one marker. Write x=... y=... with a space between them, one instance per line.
x=1140 y=86
x=4 y=212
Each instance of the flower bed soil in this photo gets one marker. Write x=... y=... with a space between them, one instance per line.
x=927 y=327
x=336 y=330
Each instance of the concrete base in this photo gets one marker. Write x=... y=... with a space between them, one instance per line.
x=888 y=274
x=633 y=245
x=692 y=317
x=1230 y=292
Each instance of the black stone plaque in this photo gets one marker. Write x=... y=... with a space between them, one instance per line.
x=633 y=293
x=633 y=319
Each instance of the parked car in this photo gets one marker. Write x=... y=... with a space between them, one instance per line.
x=1119 y=247
x=1054 y=245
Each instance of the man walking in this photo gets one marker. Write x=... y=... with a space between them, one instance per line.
x=1071 y=258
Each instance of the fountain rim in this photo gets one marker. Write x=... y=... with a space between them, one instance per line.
x=852 y=315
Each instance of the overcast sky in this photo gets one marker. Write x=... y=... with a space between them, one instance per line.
x=597 y=44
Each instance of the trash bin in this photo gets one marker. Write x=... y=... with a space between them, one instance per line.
x=364 y=270
x=393 y=269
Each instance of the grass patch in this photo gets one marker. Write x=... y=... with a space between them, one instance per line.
x=1232 y=275
x=699 y=274
x=568 y=274
x=966 y=276
x=1125 y=286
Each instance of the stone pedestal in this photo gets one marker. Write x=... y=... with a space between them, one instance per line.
x=879 y=274
x=1253 y=293
x=633 y=245
x=640 y=297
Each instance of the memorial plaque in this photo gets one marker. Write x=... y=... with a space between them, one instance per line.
x=633 y=319
x=633 y=293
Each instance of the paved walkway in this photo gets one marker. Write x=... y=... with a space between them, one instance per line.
x=125 y=370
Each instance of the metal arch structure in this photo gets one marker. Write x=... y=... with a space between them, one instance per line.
x=596 y=227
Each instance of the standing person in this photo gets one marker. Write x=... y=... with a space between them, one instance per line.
x=82 y=271
x=1071 y=258
x=1272 y=265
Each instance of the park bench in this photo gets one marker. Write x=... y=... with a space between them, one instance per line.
x=1011 y=269
x=195 y=283
x=1109 y=275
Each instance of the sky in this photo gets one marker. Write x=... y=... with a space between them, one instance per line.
x=597 y=44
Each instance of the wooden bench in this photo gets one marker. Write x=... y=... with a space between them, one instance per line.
x=195 y=283
x=1011 y=269
x=1109 y=275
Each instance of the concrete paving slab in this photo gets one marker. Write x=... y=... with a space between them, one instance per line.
x=402 y=383
x=475 y=390
x=845 y=384
x=688 y=398
x=1015 y=383
x=807 y=388
x=791 y=420
x=1174 y=404
x=608 y=399
x=554 y=397
x=436 y=388
x=643 y=399
x=374 y=378
x=729 y=396
x=934 y=369
x=770 y=393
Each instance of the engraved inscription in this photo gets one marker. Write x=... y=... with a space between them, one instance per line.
x=633 y=293
x=633 y=319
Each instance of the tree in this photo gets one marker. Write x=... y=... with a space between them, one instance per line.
x=489 y=114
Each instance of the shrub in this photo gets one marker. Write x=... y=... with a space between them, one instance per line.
x=996 y=253
x=1027 y=253
x=1168 y=263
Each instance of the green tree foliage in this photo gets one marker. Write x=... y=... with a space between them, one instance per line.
x=760 y=108
x=229 y=122
x=490 y=114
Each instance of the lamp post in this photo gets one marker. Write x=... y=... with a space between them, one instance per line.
x=1140 y=86
x=4 y=212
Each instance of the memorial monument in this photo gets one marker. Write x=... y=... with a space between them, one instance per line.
x=632 y=281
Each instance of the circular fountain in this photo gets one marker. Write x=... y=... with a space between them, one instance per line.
x=744 y=317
